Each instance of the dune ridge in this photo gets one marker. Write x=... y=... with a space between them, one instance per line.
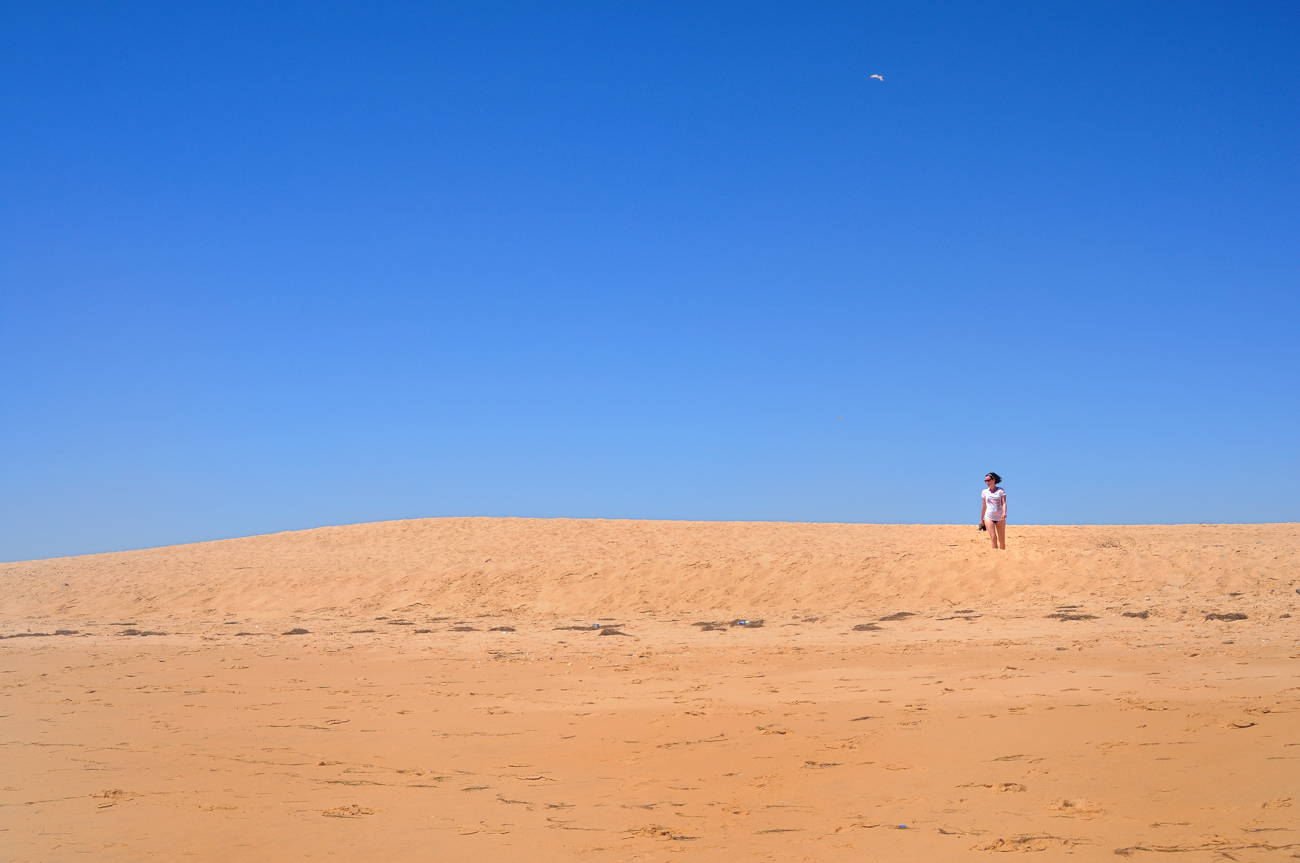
x=580 y=566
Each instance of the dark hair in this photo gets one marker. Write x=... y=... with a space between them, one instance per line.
x=996 y=479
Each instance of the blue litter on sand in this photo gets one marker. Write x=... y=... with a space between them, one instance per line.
x=902 y=826
x=595 y=626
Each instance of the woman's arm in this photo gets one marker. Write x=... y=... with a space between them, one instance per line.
x=1004 y=506
x=983 y=505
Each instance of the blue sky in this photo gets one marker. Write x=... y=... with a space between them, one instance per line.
x=272 y=266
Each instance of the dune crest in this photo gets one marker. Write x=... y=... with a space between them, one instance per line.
x=579 y=566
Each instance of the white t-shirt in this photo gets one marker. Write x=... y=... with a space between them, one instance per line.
x=995 y=504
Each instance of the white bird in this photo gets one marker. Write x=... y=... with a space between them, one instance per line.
x=881 y=77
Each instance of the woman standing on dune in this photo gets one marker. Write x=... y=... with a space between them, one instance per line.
x=993 y=511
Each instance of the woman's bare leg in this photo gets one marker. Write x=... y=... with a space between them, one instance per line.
x=992 y=527
x=1002 y=534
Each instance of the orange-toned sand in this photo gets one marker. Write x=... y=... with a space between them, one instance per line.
x=451 y=699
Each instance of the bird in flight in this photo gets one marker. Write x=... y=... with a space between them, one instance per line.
x=881 y=77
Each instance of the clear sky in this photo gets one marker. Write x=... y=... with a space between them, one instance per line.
x=273 y=266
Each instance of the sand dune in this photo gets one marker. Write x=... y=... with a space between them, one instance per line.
x=567 y=567
x=508 y=689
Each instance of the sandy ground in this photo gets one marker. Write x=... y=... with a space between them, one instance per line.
x=909 y=694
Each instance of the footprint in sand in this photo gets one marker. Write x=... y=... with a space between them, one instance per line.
x=1038 y=842
x=352 y=811
x=1076 y=806
x=773 y=729
x=657 y=831
x=112 y=796
x=1004 y=787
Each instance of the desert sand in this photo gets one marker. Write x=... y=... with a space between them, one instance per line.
x=515 y=689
